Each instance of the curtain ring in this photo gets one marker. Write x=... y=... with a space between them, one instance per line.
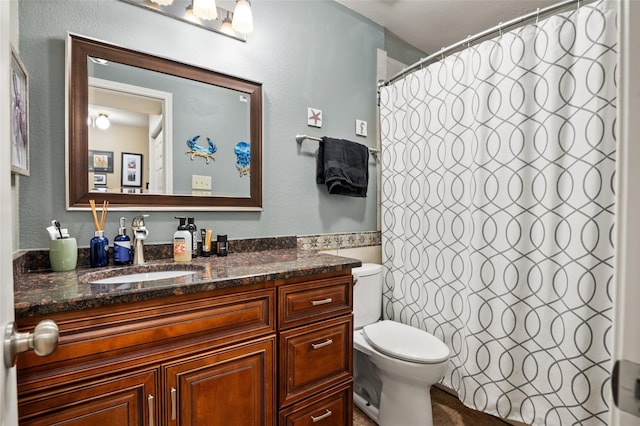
x=537 y=16
x=500 y=29
x=578 y=5
x=442 y=53
x=468 y=41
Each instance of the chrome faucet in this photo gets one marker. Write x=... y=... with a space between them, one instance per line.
x=140 y=232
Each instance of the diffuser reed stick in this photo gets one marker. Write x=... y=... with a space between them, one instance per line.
x=95 y=216
x=103 y=214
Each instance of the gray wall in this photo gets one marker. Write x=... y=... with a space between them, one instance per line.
x=306 y=53
x=400 y=50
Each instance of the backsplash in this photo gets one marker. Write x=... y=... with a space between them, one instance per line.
x=38 y=260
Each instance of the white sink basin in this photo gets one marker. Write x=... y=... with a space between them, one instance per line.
x=145 y=276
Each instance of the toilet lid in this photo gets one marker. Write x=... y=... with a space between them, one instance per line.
x=405 y=342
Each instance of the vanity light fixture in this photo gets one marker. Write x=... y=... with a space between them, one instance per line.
x=162 y=2
x=205 y=9
x=243 y=17
x=226 y=26
x=102 y=121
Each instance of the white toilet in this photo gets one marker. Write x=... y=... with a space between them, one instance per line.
x=394 y=364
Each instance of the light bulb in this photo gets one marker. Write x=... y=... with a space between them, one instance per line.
x=205 y=9
x=243 y=17
x=190 y=16
x=102 y=122
x=226 y=26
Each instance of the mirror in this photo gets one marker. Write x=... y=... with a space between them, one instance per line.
x=149 y=132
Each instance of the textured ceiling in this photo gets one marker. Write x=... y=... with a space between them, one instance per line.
x=430 y=25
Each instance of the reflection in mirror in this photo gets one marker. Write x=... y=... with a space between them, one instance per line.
x=195 y=134
x=137 y=119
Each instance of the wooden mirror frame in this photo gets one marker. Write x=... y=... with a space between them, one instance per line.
x=77 y=156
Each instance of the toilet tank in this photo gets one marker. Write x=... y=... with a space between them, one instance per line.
x=367 y=294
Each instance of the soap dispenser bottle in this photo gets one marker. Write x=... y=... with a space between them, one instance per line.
x=182 y=242
x=122 y=245
x=193 y=229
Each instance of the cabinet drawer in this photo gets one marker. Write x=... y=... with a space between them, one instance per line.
x=311 y=301
x=315 y=357
x=331 y=408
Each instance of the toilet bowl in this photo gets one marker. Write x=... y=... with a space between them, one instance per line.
x=394 y=364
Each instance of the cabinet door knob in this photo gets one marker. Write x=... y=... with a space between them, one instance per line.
x=321 y=345
x=321 y=417
x=43 y=341
x=151 y=410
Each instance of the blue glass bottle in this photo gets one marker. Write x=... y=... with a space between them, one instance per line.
x=99 y=250
x=122 y=245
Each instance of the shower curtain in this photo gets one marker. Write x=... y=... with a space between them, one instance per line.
x=498 y=170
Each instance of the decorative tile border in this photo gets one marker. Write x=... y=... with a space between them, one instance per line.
x=339 y=240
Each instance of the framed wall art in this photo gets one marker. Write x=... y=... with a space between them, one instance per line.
x=99 y=179
x=131 y=169
x=100 y=161
x=19 y=92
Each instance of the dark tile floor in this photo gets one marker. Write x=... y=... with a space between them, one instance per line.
x=447 y=411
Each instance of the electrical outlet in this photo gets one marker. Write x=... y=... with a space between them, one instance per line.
x=202 y=183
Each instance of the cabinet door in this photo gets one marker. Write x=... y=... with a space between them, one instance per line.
x=229 y=387
x=121 y=401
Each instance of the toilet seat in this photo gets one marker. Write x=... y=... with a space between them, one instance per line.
x=404 y=342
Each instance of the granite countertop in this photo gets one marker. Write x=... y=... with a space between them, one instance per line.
x=44 y=293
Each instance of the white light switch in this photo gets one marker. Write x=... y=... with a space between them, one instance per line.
x=361 y=128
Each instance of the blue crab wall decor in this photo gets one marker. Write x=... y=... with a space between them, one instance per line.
x=197 y=150
x=243 y=154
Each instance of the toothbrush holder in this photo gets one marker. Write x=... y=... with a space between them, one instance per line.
x=63 y=254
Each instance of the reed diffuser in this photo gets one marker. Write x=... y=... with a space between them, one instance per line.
x=99 y=245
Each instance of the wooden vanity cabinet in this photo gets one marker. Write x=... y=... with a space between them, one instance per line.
x=187 y=360
x=279 y=352
x=315 y=335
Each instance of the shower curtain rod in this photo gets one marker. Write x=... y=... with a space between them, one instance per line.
x=498 y=28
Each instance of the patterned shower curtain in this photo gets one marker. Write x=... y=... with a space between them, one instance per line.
x=498 y=170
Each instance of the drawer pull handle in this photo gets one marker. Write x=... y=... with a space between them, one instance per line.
x=151 y=410
x=173 y=403
x=321 y=345
x=321 y=302
x=322 y=417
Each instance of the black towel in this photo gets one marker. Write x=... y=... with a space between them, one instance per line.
x=343 y=166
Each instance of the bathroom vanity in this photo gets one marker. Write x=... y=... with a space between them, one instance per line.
x=256 y=338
